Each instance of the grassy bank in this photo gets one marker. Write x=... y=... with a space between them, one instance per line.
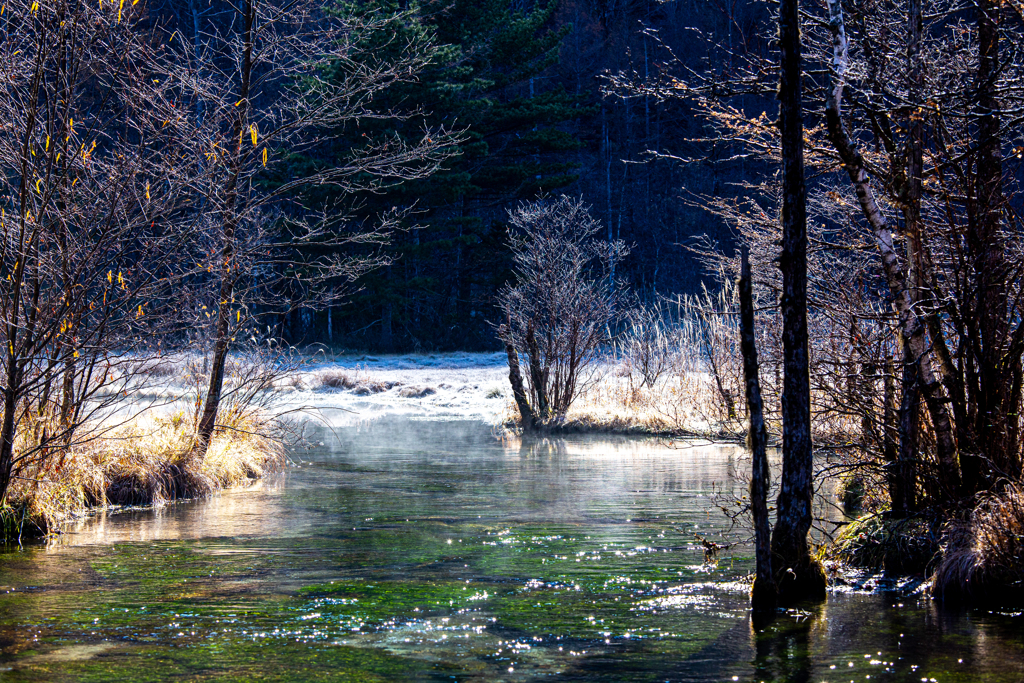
x=976 y=558
x=139 y=462
x=685 y=404
x=983 y=556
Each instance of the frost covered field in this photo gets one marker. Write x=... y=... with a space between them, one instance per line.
x=338 y=391
x=476 y=386
x=346 y=390
x=448 y=385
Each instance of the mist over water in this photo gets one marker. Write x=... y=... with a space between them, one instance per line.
x=433 y=550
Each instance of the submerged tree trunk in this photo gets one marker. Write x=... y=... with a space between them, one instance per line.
x=763 y=592
x=799 y=576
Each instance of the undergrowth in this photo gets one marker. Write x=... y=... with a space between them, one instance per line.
x=983 y=556
x=875 y=541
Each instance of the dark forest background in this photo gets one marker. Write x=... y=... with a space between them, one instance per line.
x=528 y=82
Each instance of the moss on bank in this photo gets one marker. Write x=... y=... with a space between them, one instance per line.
x=876 y=541
x=140 y=462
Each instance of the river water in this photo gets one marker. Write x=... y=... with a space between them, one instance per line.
x=405 y=550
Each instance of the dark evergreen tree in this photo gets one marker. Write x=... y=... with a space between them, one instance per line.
x=486 y=79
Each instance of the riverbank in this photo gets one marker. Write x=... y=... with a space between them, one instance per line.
x=141 y=461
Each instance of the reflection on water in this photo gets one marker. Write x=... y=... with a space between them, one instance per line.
x=239 y=512
x=406 y=550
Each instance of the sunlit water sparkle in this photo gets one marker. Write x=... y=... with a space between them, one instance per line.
x=426 y=550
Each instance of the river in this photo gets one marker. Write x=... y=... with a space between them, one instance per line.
x=416 y=550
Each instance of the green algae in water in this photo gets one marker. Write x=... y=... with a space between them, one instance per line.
x=242 y=662
x=457 y=559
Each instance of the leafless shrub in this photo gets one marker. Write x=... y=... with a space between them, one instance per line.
x=558 y=310
x=94 y=204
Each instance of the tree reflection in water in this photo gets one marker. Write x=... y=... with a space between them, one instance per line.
x=782 y=647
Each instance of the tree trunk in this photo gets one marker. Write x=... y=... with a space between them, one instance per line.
x=13 y=373
x=904 y=486
x=799 y=576
x=995 y=430
x=211 y=405
x=222 y=332
x=515 y=378
x=890 y=452
x=7 y=437
x=538 y=378
x=914 y=341
x=763 y=592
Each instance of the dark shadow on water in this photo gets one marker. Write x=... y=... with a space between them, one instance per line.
x=782 y=647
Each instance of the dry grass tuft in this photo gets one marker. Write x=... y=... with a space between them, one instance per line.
x=334 y=378
x=676 y=403
x=619 y=400
x=160 y=368
x=355 y=380
x=680 y=402
x=983 y=558
x=142 y=462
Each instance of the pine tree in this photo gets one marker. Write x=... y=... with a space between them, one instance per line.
x=488 y=79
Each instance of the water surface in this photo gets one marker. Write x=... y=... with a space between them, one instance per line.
x=433 y=551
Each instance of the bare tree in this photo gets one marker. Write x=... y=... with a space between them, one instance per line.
x=957 y=295
x=92 y=180
x=912 y=280
x=271 y=77
x=559 y=309
x=763 y=592
x=799 y=576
